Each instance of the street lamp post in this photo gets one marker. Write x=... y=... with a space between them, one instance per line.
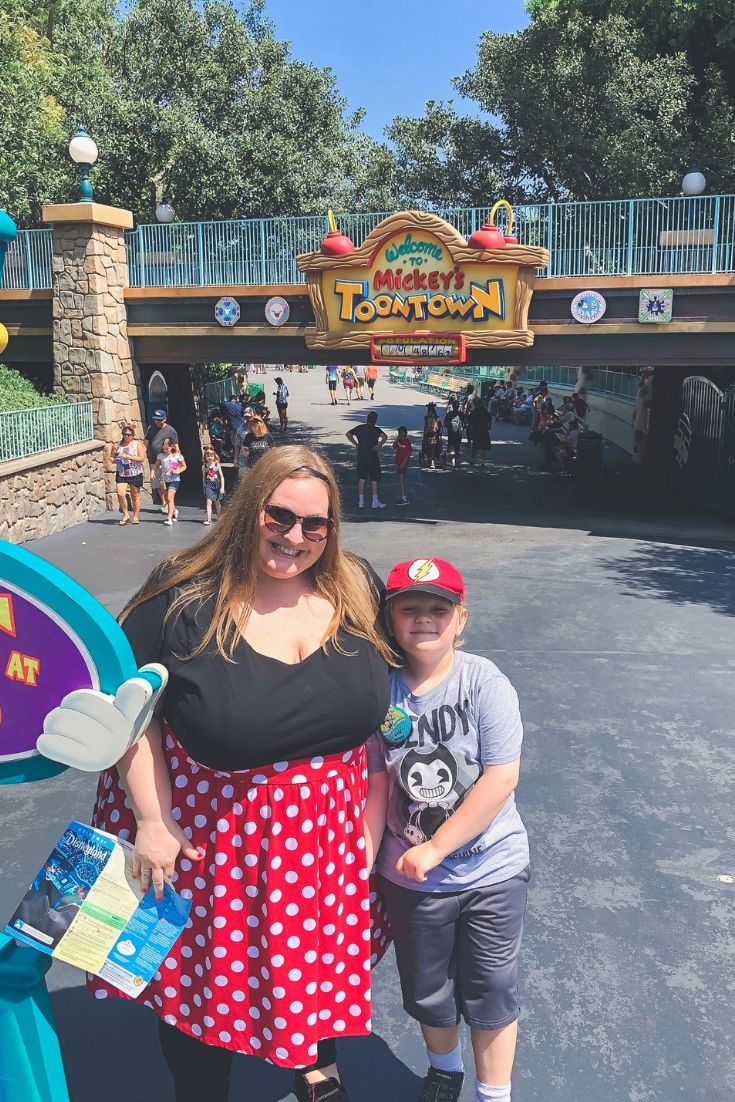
x=83 y=151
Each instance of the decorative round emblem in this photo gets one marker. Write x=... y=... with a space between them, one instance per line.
x=227 y=311
x=423 y=570
x=588 y=306
x=277 y=310
x=396 y=727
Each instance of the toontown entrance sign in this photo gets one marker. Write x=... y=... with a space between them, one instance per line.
x=417 y=291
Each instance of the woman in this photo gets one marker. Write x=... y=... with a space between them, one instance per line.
x=478 y=430
x=454 y=425
x=348 y=382
x=128 y=455
x=268 y=805
x=169 y=468
x=281 y=395
x=432 y=442
x=252 y=444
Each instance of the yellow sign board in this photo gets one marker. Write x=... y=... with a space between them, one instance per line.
x=416 y=276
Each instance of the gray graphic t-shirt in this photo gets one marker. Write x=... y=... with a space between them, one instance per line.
x=434 y=748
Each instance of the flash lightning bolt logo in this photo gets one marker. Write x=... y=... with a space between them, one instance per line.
x=423 y=570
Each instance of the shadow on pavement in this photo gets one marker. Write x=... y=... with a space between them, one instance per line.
x=680 y=575
x=116 y=1057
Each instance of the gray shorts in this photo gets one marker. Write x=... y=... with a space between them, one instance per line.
x=457 y=952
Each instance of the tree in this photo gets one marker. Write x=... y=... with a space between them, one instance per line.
x=195 y=98
x=582 y=115
x=703 y=32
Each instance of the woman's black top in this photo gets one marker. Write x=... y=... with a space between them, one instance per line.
x=258 y=710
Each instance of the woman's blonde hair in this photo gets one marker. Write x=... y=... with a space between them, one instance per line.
x=224 y=564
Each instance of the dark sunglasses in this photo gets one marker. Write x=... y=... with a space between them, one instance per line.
x=280 y=520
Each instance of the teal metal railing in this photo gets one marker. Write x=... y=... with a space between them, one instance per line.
x=25 y=432
x=619 y=237
x=668 y=235
x=604 y=380
x=28 y=263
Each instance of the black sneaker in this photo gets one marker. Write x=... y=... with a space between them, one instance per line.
x=329 y=1090
x=441 y=1086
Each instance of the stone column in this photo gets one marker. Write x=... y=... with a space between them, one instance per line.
x=92 y=355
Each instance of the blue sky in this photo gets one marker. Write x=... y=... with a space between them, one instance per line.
x=390 y=56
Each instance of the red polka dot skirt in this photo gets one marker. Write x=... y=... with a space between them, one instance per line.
x=284 y=926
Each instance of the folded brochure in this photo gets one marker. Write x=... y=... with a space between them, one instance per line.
x=85 y=908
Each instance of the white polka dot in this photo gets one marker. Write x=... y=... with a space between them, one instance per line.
x=325 y=1014
x=294 y=974
x=330 y=899
x=266 y=812
x=275 y=896
x=340 y=997
x=292 y=811
x=292 y=844
x=276 y=862
x=225 y=1036
x=237 y=935
x=297 y=1038
x=309 y=924
x=311 y=988
x=222 y=826
x=306 y=826
x=254 y=1012
x=280 y=766
x=326 y=985
x=200 y=820
x=235 y=905
x=355 y=1010
x=308 y=859
x=308 y=892
x=219 y=922
x=277 y=960
x=239 y=996
x=337 y=1026
x=180 y=782
x=251 y=859
x=250 y=828
x=329 y=928
x=220 y=859
x=279 y=992
x=200 y=912
x=292 y=909
x=255 y=1042
x=223 y=1008
x=236 y=840
x=276 y=928
x=220 y=951
x=327 y=958
x=282 y=1052
x=208 y=1021
x=221 y=981
x=228 y=791
x=310 y=956
x=236 y=874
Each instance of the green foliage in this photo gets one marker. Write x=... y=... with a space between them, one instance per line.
x=703 y=33
x=195 y=100
x=584 y=110
x=213 y=373
x=17 y=392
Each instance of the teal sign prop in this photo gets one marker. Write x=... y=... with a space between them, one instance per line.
x=8 y=233
x=55 y=637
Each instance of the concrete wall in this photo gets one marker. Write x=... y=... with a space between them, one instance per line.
x=46 y=493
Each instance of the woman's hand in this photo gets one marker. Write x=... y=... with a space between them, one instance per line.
x=417 y=861
x=157 y=845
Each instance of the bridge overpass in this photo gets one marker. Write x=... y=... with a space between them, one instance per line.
x=176 y=273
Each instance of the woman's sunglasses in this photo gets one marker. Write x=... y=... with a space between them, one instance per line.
x=280 y=520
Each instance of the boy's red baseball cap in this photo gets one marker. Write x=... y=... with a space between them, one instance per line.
x=435 y=576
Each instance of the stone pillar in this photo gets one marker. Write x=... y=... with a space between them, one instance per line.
x=92 y=356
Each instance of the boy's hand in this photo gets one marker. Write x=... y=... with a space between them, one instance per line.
x=417 y=861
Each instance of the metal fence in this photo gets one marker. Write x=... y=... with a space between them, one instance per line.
x=605 y=380
x=219 y=391
x=26 y=432
x=28 y=261
x=668 y=235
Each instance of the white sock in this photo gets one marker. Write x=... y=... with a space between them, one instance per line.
x=375 y=499
x=448 y=1061
x=485 y=1093
x=361 y=500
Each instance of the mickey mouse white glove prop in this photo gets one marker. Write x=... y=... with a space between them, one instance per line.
x=91 y=730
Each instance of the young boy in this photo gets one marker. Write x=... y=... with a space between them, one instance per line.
x=454 y=863
x=402 y=448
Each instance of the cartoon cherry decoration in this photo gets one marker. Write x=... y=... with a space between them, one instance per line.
x=489 y=236
x=336 y=243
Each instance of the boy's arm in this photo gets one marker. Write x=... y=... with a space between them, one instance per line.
x=376 y=807
x=475 y=814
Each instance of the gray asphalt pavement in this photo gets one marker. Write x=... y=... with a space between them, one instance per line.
x=614 y=618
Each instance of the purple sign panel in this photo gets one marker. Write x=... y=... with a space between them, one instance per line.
x=41 y=661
